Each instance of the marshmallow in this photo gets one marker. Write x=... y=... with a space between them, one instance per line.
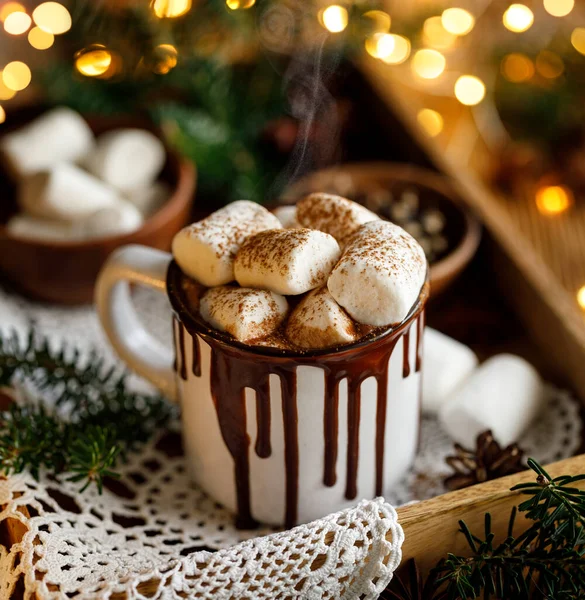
x=286 y=261
x=151 y=198
x=244 y=313
x=504 y=394
x=380 y=274
x=65 y=192
x=58 y=136
x=127 y=159
x=334 y=215
x=287 y=215
x=206 y=250
x=319 y=322
x=25 y=226
x=447 y=363
x=119 y=219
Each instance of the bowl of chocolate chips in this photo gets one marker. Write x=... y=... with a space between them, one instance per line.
x=418 y=200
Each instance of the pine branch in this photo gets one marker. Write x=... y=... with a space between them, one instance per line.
x=96 y=421
x=545 y=561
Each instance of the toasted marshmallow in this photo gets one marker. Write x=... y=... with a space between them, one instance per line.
x=319 y=322
x=206 y=250
x=242 y=312
x=286 y=261
x=287 y=215
x=334 y=215
x=380 y=274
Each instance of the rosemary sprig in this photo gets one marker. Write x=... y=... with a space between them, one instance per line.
x=95 y=418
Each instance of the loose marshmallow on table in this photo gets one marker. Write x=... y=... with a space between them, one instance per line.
x=65 y=192
x=287 y=215
x=380 y=274
x=319 y=322
x=334 y=215
x=286 y=261
x=244 y=313
x=25 y=226
x=123 y=217
x=127 y=159
x=447 y=363
x=58 y=136
x=206 y=250
x=504 y=394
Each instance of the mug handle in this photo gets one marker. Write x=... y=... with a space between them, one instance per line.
x=142 y=352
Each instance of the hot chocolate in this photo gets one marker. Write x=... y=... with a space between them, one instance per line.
x=299 y=302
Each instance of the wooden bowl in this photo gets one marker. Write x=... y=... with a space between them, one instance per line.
x=463 y=230
x=65 y=272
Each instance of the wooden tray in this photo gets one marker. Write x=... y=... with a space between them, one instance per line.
x=540 y=261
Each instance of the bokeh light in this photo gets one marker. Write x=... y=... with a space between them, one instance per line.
x=469 y=90
x=170 y=9
x=578 y=39
x=10 y=7
x=457 y=21
x=553 y=199
x=239 y=4
x=17 y=23
x=334 y=18
x=166 y=58
x=581 y=297
x=517 y=67
x=2 y=114
x=400 y=52
x=380 y=45
x=559 y=8
x=39 y=39
x=380 y=20
x=549 y=64
x=96 y=61
x=431 y=121
x=16 y=75
x=428 y=63
x=5 y=92
x=518 y=18
x=52 y=17
x=436 y=35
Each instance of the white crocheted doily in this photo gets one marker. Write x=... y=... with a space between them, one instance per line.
x=153 y=535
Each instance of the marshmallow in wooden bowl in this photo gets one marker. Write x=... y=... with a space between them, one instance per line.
x=25 y=226
x=380 y=274
x=504 y=394
x=150 y=198
x=286 y=261
x=119 y=219
x=58 y=136
x=127 y=159
x=334 y=215
x=247 y=314
x=448 y=363
x=65 y=192
x=319 y=322
x=287 y=215
x=206 y=250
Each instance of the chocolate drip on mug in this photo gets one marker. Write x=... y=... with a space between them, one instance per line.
x=288 y=385
x=353 y=436
x=420 y=325
x=182 y=352
x=176 y=324
x=263 y=418
x=196 y=365
x=406 y=354
x=331 y=428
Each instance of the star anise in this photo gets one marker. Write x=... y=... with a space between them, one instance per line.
x=488 y=461
x=408 y=584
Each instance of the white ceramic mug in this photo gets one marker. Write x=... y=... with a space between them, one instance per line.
x=275 y=436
